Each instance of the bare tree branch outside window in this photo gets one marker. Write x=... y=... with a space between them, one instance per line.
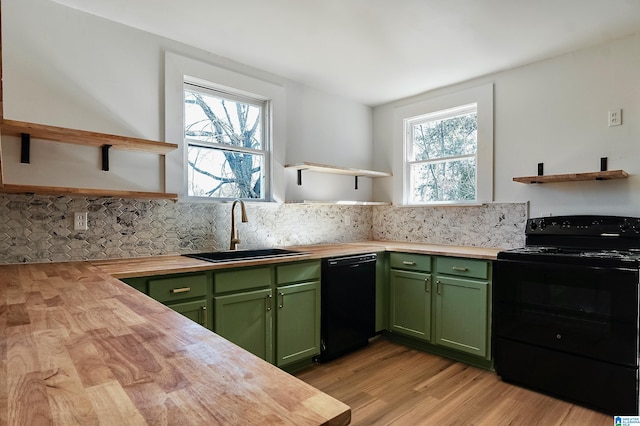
x=226 y=149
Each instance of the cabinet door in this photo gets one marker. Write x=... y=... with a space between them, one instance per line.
x=195 y=310
x=410 y=297
x=298 y=322
x=461 y=314
x=246 y=320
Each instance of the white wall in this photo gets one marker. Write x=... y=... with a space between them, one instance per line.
x=66 y=68
x=554 y=112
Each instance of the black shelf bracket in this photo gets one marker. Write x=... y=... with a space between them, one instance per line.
x=356 y=179
x=603 y=164
x=25 y=148
x=540 y=169
x=105 y=157
x=299 y=177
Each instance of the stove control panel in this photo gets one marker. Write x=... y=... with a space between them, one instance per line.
x=590 y=226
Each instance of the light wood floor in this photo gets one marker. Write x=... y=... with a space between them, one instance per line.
x=386 y=383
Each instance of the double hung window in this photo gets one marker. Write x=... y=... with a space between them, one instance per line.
x=227 y=140
x=441 y=156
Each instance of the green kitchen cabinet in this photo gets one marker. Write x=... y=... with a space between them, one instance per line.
x=243 y=308
x=442 y=304
x=298 y=322
x=178 y=288
x=195 y=310
x=410 y=303
x=298 y=312
x=410 y=295
x=184 y=293
x=462 y=305
x=139 y=283
x=246 y=319
x=461 y=314
x=273 y=312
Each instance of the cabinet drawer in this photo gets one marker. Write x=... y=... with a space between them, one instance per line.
x=178 y=288
x=463 y=267
x=241 y=279
x=410 y=261
x=297 y=272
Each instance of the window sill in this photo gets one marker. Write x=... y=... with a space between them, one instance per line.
x=453 y=204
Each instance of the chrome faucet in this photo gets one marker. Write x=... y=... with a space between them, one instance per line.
x=235 y=239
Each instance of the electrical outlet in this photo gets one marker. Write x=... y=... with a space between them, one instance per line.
x=80 y=221
x=615 y=117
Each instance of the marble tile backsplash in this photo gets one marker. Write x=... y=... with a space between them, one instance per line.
x=489 y=225
x=40 y=228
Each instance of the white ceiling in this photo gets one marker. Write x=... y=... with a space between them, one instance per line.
x=376 y=51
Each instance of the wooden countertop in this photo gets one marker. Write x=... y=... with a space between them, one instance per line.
x=160 y=265
x=80 y=347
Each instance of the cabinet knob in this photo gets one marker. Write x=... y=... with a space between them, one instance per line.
x=180 y=290
x=408 y=263
x=460 y=268
x=438 y=287
x=427 y=285
x=281 y=300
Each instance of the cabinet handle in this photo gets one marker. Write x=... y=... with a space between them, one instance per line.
x=438 y=287
x=408 y=263
x=181 y=290
x=203 y=316
x=269 y=297
x=460 y=268
x=281 y=300
x=427 y=285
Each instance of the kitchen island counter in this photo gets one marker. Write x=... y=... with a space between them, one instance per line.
x=80 y=347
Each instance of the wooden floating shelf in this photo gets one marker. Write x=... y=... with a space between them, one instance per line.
x=573 y=177
x=56 y=190
x=83 y=137
x=322 y=168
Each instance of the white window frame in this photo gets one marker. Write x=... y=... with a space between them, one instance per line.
x=408 y=149
x=265 y=108
x=179 y=69
x=482 y=96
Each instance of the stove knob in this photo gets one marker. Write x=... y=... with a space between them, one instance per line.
x=624 y=226
x=542 y=224
x=534 y=226
x=566 y=224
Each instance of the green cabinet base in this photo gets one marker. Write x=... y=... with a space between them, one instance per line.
x=195 y=310
x=439 y=350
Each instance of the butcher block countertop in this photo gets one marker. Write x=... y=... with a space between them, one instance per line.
x=80 y=347
x=161 y=265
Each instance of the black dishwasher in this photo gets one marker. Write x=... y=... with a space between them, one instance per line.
x=348 y=312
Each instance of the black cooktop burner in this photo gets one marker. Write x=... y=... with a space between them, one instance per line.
x=589 y=240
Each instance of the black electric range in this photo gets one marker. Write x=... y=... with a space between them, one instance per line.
x=566 y=309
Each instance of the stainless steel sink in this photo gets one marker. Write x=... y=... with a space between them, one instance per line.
x=229 y=256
